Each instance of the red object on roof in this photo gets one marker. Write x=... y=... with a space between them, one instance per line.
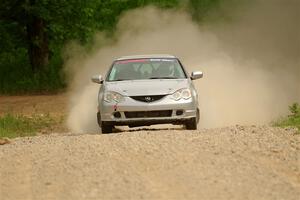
x=132 y=61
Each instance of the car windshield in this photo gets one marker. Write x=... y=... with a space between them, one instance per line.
x=136 y=69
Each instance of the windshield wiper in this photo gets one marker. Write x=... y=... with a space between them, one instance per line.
x=164 y=77
x=121 y=80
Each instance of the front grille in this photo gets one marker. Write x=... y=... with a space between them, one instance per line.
x=148 y=99
x=148 y=114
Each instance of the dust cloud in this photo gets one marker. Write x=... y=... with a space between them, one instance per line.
x=251 y=62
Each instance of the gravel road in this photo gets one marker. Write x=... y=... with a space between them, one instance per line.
x=227 y=163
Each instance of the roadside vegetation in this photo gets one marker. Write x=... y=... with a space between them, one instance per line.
x=293 y=120
x=12 y=126
x=33 y=35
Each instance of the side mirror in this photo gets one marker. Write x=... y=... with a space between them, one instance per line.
x=196 y=75
x=97 y=79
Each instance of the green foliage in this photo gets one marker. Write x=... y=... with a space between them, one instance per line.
x=64 y=20
x=16 y=75
x=12 y=126
x=292 y=120
x=295 y=109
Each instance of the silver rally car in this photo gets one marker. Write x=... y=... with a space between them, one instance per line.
x=146 y=90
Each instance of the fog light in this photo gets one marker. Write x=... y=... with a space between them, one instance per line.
x=117 y=115
x=179 y=112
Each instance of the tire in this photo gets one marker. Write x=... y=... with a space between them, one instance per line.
x=105 y=128
x=191 y=124
x=198 y=115
x=99 y=119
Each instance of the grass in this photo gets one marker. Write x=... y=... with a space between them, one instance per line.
x=293 y=120
x=12 y=126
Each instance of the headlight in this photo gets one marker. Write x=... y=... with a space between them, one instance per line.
x=113 y=97
x=182 y=94
x=186 y=93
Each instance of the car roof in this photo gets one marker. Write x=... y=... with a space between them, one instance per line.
x=145 y=56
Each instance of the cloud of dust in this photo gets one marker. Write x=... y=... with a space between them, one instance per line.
x=251 y=64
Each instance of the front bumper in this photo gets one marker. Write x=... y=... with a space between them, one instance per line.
x=180 y=111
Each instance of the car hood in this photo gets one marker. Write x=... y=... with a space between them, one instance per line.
x=147 y=87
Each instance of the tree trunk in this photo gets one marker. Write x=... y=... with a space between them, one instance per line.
x=38 y=48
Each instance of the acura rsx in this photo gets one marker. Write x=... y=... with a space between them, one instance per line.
x=147 y=90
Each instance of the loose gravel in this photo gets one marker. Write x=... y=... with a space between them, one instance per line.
x=240 y=162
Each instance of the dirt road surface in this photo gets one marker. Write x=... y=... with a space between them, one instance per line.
x=39 y=104
x=240 y=162
x=228 y=163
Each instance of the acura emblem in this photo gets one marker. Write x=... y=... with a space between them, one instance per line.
x=148 y=99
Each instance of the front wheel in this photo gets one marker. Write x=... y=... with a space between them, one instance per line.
x=105 y=128
x=191 y=124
